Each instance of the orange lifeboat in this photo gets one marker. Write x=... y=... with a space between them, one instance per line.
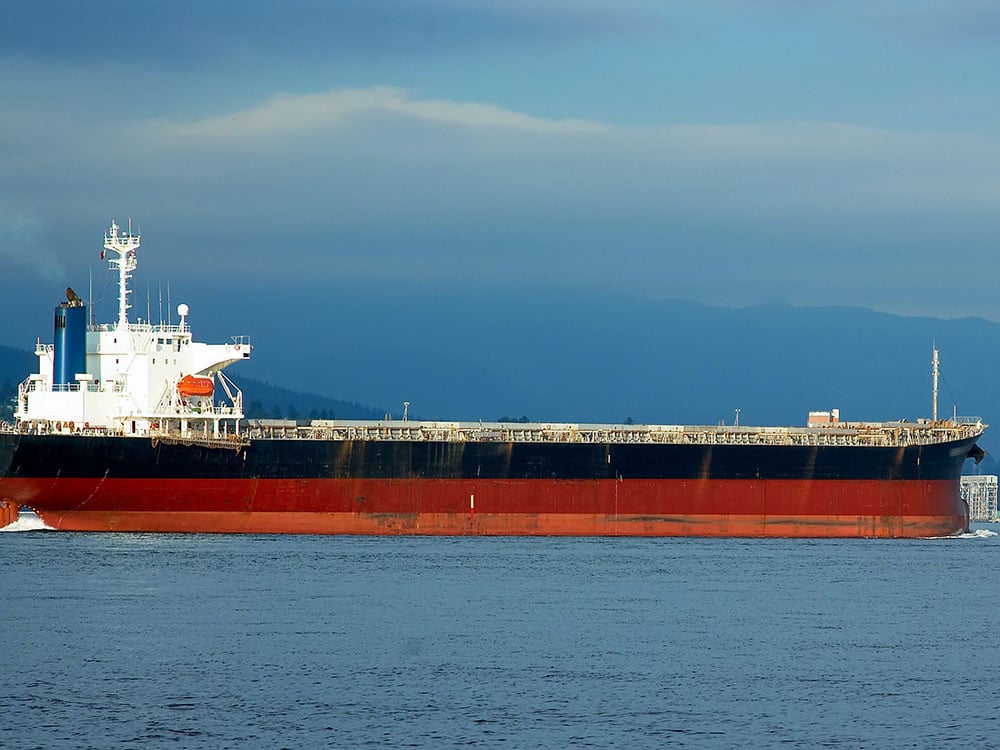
x=190 y=385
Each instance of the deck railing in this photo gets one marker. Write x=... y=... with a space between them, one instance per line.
x=881 y=434
x=890 y=434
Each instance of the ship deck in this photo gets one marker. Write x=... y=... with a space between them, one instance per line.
x=882 y=434
x=870 y=434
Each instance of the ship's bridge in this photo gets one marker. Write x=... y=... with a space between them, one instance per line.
x=130 y=377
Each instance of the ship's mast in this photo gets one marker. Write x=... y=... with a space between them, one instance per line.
x=934 y=363
x=124 y=245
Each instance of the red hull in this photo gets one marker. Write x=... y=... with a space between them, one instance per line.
x=748 y=508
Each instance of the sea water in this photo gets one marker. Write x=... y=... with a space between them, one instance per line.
x=215 y=641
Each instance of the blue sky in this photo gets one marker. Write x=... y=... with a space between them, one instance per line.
x=725 y=152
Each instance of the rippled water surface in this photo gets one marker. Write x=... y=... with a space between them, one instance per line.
x=251 y=641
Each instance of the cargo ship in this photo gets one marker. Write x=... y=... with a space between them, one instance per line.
x=131 y=426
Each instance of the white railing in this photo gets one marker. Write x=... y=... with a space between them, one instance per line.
x=878 y=435
x=141 y=328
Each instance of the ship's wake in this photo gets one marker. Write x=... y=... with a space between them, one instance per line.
x=979 y=534
x=27 y=521
x=974 y=534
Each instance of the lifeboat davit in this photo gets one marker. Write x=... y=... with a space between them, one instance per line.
x=190 y=385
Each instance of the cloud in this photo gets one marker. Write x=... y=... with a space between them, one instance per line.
x=380 y=183
x=785 y=167
x=287 y=115
x=779 y=166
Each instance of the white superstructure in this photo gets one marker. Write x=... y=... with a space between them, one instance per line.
x=139 y=379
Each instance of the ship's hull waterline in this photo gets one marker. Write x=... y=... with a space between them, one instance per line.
x=87 y=483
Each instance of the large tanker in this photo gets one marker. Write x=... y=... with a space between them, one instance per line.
x=120 y=430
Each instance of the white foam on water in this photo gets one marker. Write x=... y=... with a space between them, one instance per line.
x=27 y=521
x=981 y=534
x=977 y=534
